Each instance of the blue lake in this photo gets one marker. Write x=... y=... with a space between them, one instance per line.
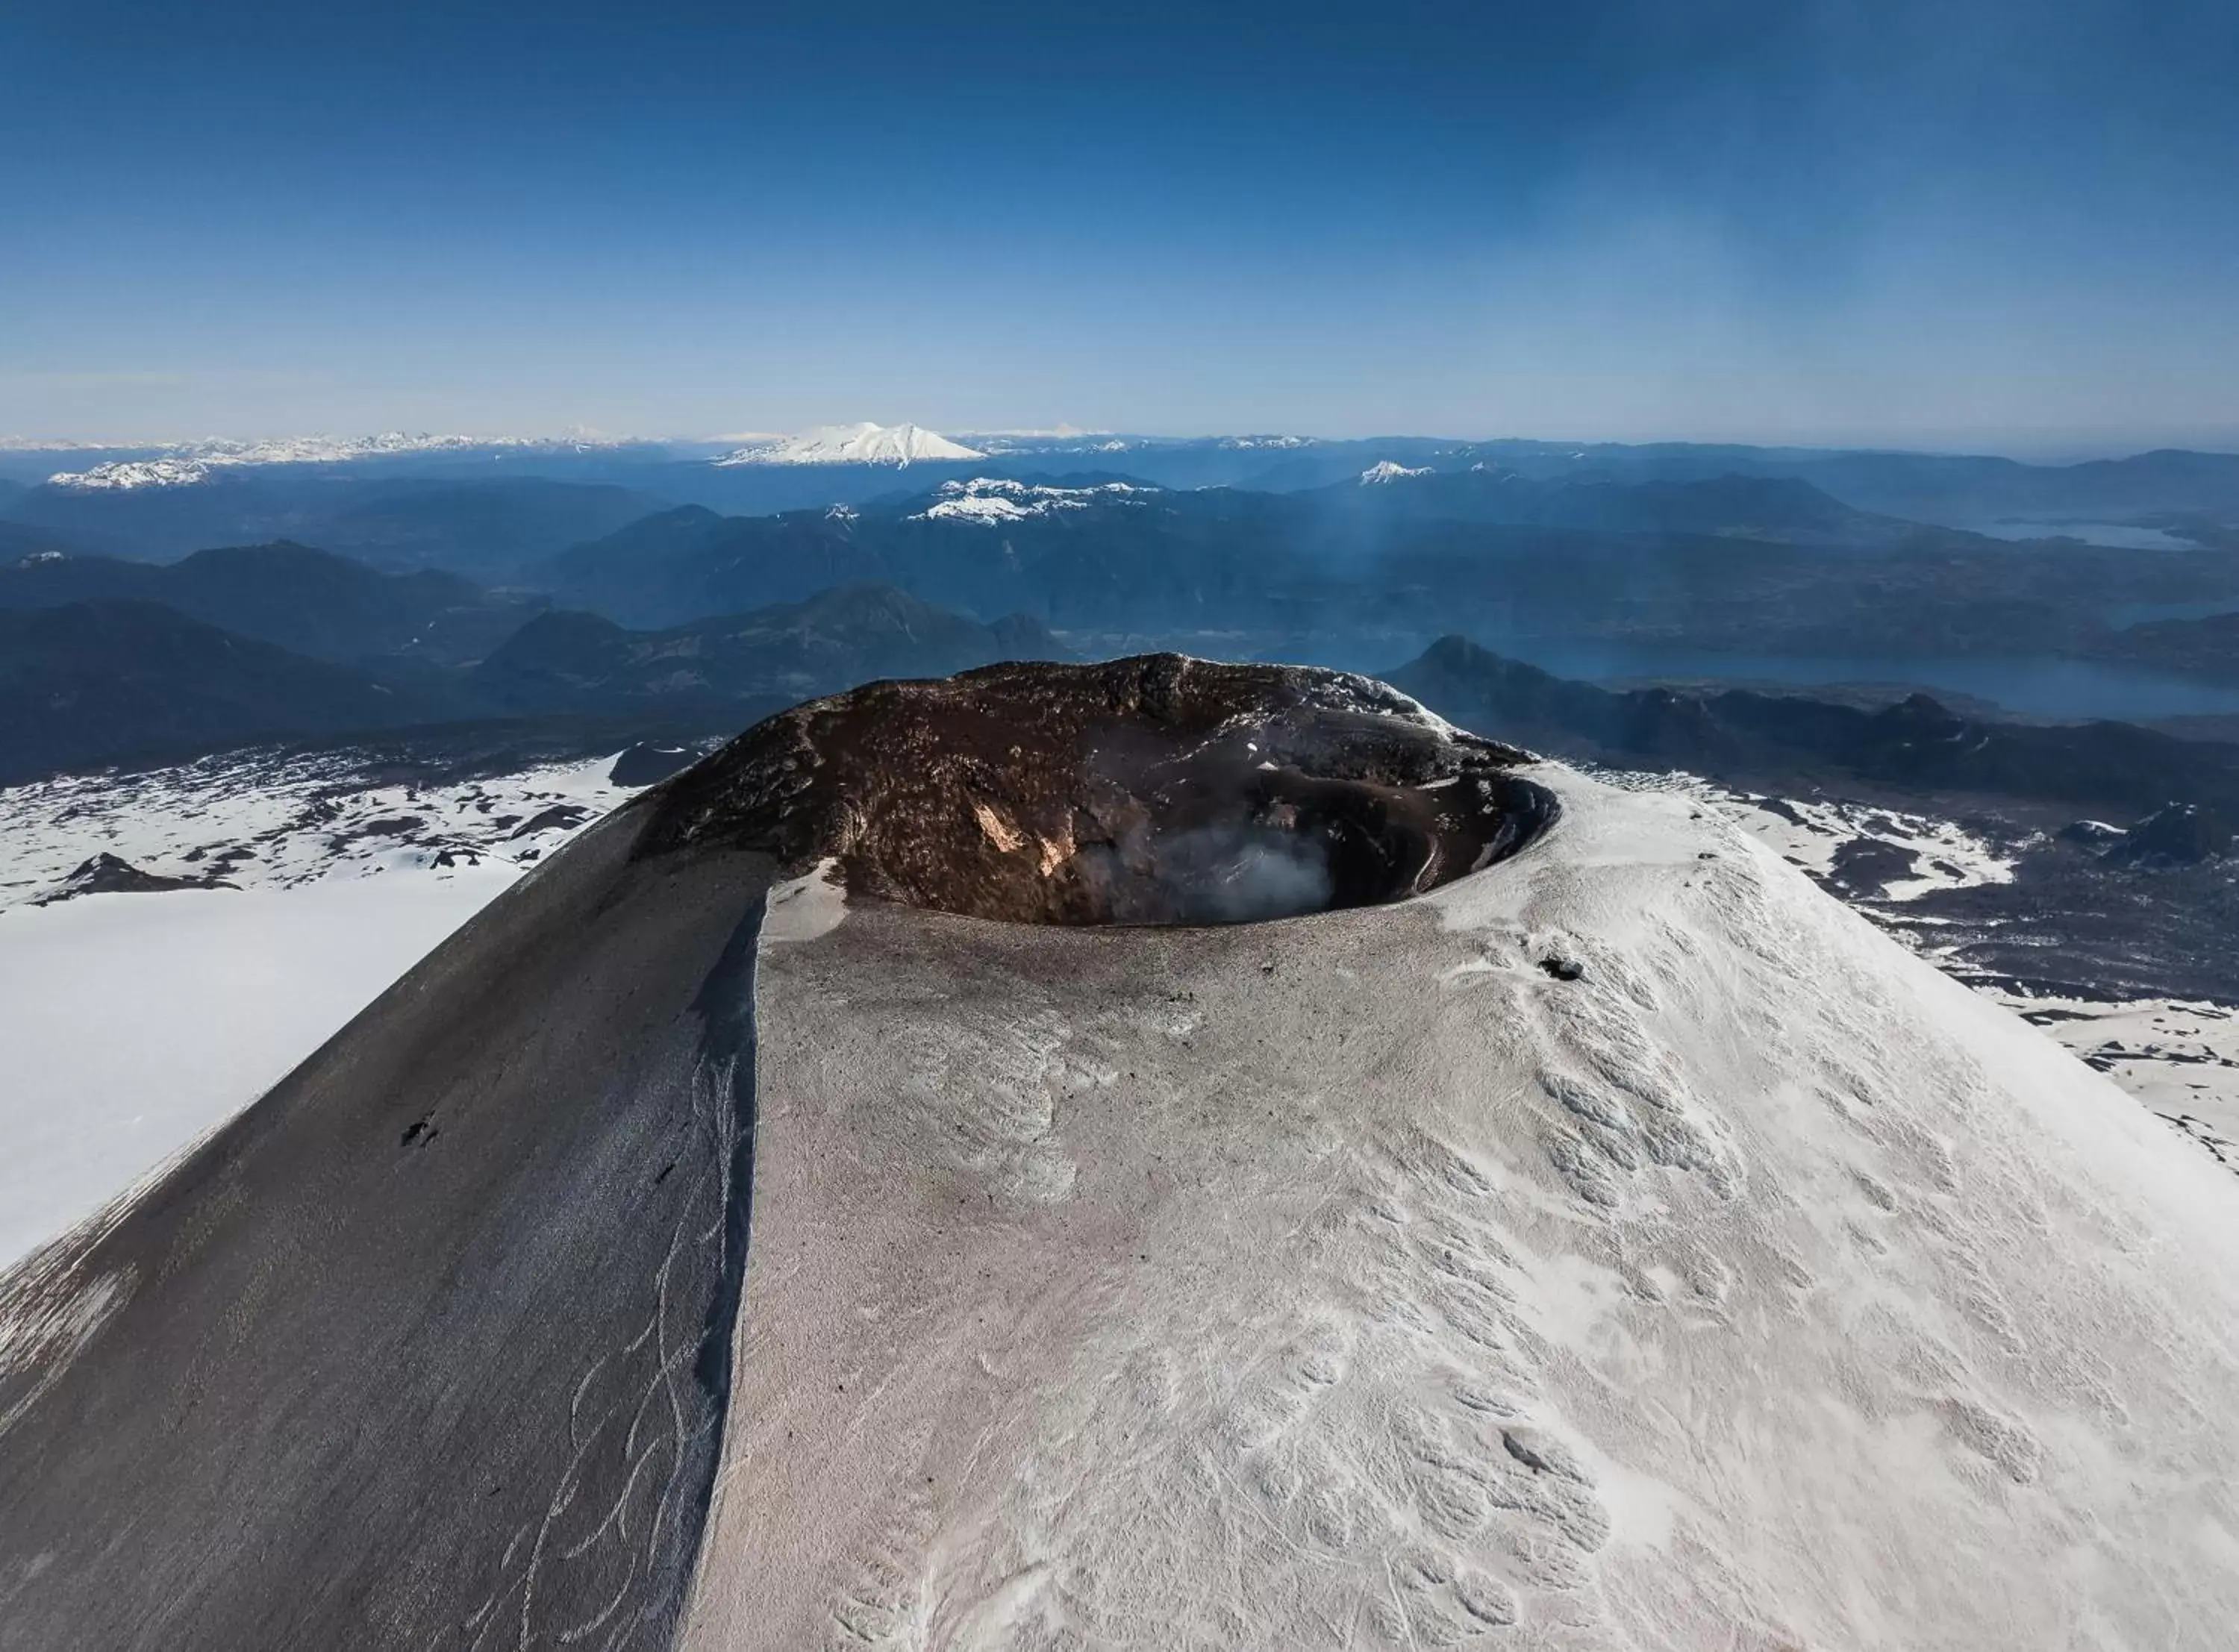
x=2035 y=686
x=2121 y=535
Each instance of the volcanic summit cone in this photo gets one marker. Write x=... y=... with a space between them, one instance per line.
x=896 y=1183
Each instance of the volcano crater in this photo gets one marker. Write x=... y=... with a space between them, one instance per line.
x=1157 y=790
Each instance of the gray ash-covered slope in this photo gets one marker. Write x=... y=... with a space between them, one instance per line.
x=432 y=1343
x=1621 y=1247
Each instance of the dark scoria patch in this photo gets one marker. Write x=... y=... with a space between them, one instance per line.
x=1154 y=790
x=107 y=874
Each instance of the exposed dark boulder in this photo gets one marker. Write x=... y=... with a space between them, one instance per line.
x=2178 y=834
x=109 y=874
x=1866 y=867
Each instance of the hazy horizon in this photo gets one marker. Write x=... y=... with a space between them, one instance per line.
x=2051 y=451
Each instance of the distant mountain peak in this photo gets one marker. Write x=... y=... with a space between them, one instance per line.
x=1388 y=470
x=900 y=445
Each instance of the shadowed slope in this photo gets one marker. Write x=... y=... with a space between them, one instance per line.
x=428 y=1346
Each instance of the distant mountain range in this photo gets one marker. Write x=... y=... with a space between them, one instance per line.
x=94 y=683
x=2206 y=647
x=103 y=661
x=308 y=602
x=848 y=463
x=1070 y=550
x=435 y=555
x=1782 y=508
x=187 y=464
x=1793 y=743
x=1749 y=563
x=105 y=679
x=775 y=657
x=482 y=525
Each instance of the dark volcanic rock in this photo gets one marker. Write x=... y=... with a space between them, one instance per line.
x=2181 y=834
x=1157 y=790
x=2091 y=834
x=1866 y=867
x=107 y=874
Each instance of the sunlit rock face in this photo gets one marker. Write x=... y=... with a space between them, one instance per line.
x=1159 y=790
x=1560 y=1226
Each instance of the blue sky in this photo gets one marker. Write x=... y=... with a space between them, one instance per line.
x=1981 y=223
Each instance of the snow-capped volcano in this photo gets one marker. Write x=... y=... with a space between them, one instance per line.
x=855 y=444
x=1388 y=470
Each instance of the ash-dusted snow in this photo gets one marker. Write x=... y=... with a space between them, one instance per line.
x=1353 y=1281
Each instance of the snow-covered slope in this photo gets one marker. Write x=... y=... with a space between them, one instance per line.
x=854 y=444
x=1389 y=470
x=133 y=1022
x=274 y=820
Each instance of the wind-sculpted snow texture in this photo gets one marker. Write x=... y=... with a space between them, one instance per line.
x=1357 y=1282
x=1625 y=1246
